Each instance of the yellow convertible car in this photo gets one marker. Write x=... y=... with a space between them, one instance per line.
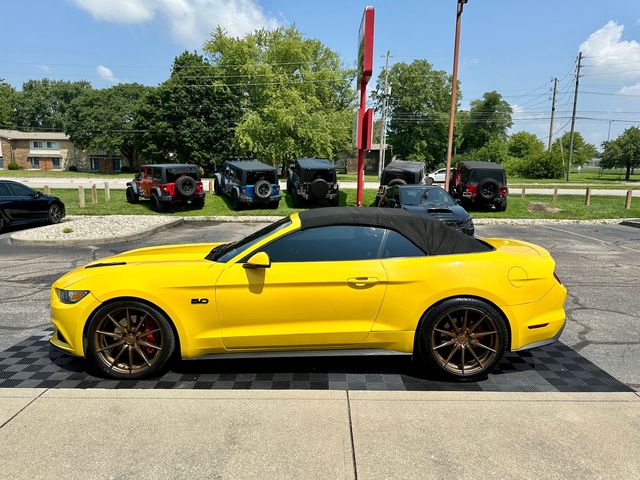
x=330 y=281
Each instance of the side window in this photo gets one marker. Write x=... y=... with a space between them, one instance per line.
x=397 y=245
x=327 y=244
x=20 y=190
x=4 y=190
x=157 y=175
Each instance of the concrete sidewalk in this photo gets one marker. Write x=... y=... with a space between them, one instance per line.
x=302 y=434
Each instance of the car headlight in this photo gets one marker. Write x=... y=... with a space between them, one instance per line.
x=71 y=296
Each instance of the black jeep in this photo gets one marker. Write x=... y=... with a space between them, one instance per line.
x=248 y=182
x=312 y=179
x=401 y=172
x=482 y=184
x=167 y=184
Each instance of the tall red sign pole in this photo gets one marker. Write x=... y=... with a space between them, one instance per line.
x=364 y=125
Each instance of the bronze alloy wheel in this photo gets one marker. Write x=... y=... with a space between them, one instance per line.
x=465 y=341
x=128 y=340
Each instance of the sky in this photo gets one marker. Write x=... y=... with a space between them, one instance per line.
x=515 y=47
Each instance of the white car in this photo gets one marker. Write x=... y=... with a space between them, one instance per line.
x=439 y=175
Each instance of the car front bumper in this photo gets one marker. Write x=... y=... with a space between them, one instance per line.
x=69 y=321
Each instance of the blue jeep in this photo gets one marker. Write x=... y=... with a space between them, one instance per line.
x=248 y=182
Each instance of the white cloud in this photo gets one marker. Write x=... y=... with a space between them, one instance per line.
x=44 y=68
x=610 y=58
x=189 y=21
x=517 y=108
x=106 y=74
x=631 y=89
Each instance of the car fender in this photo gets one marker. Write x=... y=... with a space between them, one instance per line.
x=220 y=178
x=156 y=190
x=134 y=186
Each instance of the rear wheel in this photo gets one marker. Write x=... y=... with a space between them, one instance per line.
x=55 y=213
x=156 y=204
x=130 y=340
x=216 y=187
x=1 y=223
x=334 y=202
x=462 y=338
x=235 y=201
x=501 y=206
x=198 y=203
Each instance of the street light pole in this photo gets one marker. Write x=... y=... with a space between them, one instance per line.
x=454 y=92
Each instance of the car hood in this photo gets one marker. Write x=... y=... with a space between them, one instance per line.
x=441 y=212
x=143 y=262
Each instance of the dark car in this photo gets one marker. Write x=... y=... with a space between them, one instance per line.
x=248 y=182
x=401 y=172
x=313 y=179
x=167 y=184
x=20 y=205
x=482 y=184
x=428 y=200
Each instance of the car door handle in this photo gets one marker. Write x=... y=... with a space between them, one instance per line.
x=362 y=281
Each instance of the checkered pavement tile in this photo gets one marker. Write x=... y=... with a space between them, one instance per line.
x=33 y=363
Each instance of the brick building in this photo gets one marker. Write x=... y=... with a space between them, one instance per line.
x=51 y=151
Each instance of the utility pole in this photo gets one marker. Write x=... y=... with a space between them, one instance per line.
x=553 y=111
x=383 y=133
x=573 y=117
x=454 y=91
x=609 y=134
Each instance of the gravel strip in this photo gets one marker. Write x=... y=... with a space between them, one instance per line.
x=95 y=230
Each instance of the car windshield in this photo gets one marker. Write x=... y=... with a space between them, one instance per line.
x=253 y=177
x=225 y=252
x=478 y=175
x=425 y=196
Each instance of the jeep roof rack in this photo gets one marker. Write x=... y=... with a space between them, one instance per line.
x=250 y=165
x=315 y=163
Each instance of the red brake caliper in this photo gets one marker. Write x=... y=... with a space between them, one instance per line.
x=149 y=338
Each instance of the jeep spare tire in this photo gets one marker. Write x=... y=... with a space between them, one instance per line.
x=396 y=181
x=319 y=188
x=488 y=189
x=262 y=189
x=186 y=186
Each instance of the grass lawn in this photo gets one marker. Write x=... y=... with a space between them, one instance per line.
x=344 y=177
x=572 y=207
x=60 y=174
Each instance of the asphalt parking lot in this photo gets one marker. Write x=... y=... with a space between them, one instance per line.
x=599 y=264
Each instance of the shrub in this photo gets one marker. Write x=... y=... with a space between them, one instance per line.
x=514 y=166
x=73 y=168
x=543 y=165
x=13 y=166
x=125 y=169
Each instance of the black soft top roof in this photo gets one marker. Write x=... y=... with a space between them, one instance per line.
x=174 y=166
x=315 y=163
x=404 y=165
x=430 y=235
x=250 y=165
x=482 y=165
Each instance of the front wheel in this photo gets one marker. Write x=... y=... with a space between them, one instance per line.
x=132 y=197
x=462 y=339
x=130 y=340
x=216 y=187
x=55 y=213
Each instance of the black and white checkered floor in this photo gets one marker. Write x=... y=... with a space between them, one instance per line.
x=33 y=363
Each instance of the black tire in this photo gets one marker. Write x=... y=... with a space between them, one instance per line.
x=216 y=187
x=55 y=213
x=132 y=197
x=501 y=206
x=235 y=201
x=186 y=186
x=296 y=200
x=397 y=181
x=128 y=340
x=435 y=340
x=334 y=202
x=262 y=189
x=1 y=223
x=156 y=204
x=488 y=189
x=274 y=204
x=289 y=185
x=428 y=181
x=319 y=188
x=198 y=203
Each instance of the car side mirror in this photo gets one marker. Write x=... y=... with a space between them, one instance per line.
x=258 y=260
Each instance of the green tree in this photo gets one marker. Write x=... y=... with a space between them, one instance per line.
x=488 y=117
x=524 y=144
x=582 y=151
x=7 y=97
x=418 y=109
x=44 y=103
x=296 y=97
x=103 y=119
x=189 y=118
x=495 y=150
x=542 y=165
x=623 y=152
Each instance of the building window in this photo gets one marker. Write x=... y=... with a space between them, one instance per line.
x=95 y=164
x=56 y=163
x=35 y=162
x=53 y=145
x=1 y=163
x=38 y=144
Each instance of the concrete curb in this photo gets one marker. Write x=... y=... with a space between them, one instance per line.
x=97 y=241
